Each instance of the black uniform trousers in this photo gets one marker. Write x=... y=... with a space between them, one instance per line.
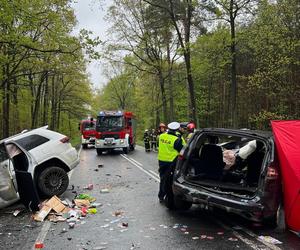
x=165 y=170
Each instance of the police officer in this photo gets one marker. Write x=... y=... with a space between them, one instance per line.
x=169 y=147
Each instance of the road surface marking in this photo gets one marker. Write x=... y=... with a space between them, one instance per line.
x=156 y=174
x=136 y=161
x=132 y=162
x=42 y=235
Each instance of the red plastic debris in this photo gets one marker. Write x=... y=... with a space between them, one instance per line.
x=39 y=245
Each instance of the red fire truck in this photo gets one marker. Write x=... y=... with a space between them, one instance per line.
x=87 y=129
x=115 y=129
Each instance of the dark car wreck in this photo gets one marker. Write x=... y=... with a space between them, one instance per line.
x=235 y=170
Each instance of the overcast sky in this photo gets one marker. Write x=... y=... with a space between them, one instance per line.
x=90 y=15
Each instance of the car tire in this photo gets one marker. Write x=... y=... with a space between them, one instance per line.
x=125 y=150
x=181 y=204
x=99 y=151
x=84 y=146
x=52 y=181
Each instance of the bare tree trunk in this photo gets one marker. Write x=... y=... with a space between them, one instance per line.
x=46 y=100
x=16 y=114
x=53 y=104
x=170 y=81
x=6 y=103
x=233 y=88
x=163 y=96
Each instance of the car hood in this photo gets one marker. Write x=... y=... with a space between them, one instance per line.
x=287 y=141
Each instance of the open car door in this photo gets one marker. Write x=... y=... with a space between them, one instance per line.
x=287 y=140
x=22 y=161
x=8 y=192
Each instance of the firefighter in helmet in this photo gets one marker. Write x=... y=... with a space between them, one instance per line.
x=190 y=129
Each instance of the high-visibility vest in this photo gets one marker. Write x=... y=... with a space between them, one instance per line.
x=166 y=151
x=181 y=136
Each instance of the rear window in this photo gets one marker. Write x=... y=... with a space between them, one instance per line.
x=31 y=141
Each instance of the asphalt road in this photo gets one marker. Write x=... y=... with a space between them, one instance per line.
x=143 y=223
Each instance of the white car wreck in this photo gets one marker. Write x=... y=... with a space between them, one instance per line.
x=35 y=164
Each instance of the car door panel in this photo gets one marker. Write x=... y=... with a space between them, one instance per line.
x=22 y=161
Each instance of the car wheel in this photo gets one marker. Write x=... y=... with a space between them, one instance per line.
x=99 y=151
x=125 y=150
x=52 y=181
x=84 y=146
x=181 y=204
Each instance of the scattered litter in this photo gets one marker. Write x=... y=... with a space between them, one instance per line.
x=195 y=238
x=165 y=227
x=269 y=239
x=81 y=203
x=71 y=225
x=111 y=229
x=89 y=187
x=100 y=165
x=92 y=210
x=38 y=245
x=125 y=224
x=232 y=239
x=114 y=221
x=96 y=169
x=183 y=229
x=119 y=176
x=95 y=204
x=123 y=230
x=85 y=197
x=104 y=226
x=203 y=236
x=210 y=237
x=64 y=230
x=16 y=212
x=69 y=238
x=104 y=190
x=220 y=233
x=186 y=233
x=99 y=248
x=118 y=213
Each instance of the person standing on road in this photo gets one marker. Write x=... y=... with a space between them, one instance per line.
x=153 y=142
x=161 y=129
x=169 y=147
x=191 y=130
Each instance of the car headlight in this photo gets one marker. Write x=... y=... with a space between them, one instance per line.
x=121 y=141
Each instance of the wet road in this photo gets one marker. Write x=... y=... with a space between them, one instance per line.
x=132 y=182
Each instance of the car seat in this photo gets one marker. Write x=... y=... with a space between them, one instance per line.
x=211 y=162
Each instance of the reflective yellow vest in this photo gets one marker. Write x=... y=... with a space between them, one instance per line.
x=181 y=136
x=166 y=151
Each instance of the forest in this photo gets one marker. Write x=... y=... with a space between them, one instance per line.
x=220 y=63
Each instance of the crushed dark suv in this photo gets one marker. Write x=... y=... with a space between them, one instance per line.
x=236 y=170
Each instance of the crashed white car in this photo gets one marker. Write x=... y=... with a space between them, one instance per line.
x=35 y=164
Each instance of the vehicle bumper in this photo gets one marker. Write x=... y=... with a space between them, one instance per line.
x=91 y=141
x=251 y=209
x=111 y=144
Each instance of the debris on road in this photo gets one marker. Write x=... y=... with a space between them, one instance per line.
x=100 y=165
x=232 y=239
x=269 y=239
x=16 y=212
x=104 y=190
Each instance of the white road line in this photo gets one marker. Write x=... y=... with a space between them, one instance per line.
x=139 y=167
x=46 y=227
x=249 y=242
x=42 y=235
x=156 y=174
x=136 y=161
x=270 y=245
